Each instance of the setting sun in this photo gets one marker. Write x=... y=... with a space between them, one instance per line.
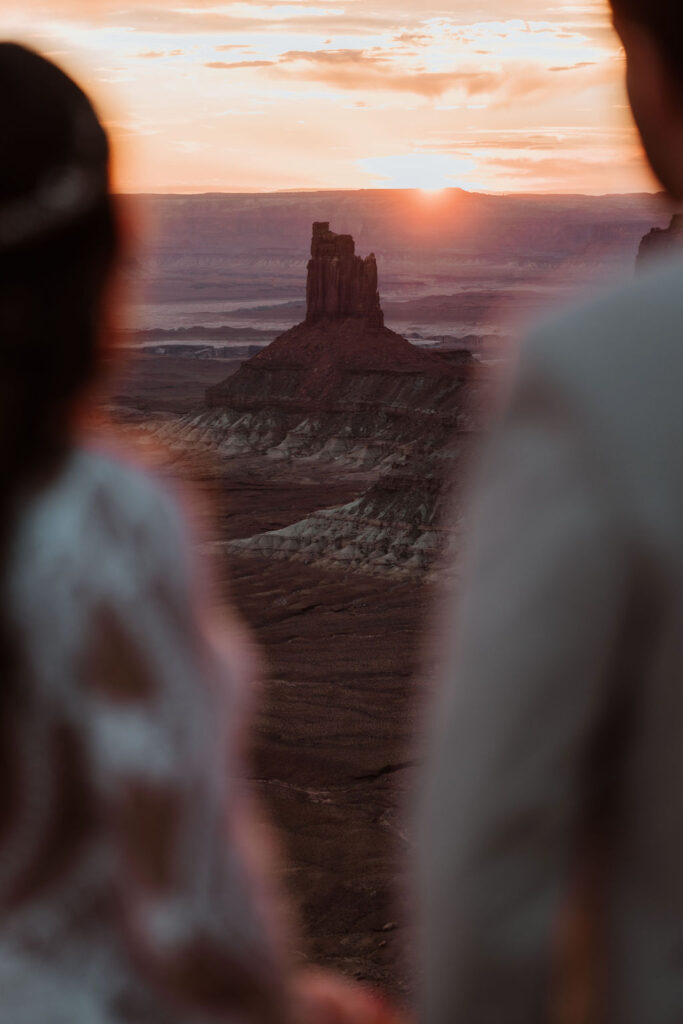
x=429 y=172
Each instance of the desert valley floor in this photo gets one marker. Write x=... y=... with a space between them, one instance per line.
x=336 y=726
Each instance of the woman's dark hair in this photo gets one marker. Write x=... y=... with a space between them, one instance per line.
x=664 y=20
x=58 y=245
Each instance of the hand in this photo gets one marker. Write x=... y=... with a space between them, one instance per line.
x=323 y=997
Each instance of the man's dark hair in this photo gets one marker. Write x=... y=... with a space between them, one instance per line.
x=664 y=20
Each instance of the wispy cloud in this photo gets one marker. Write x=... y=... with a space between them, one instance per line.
x=575 y=67
x=560 y=138
x=363 y=71
x=233 y=65
x=155 y=54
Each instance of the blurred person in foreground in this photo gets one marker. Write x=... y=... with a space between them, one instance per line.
x=559 y=731
x=128 y=887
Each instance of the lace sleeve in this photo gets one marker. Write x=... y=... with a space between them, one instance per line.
x=161 y=723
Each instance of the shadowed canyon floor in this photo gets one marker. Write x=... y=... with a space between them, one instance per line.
x=334 y=749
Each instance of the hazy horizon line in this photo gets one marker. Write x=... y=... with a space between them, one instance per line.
x=212 y=191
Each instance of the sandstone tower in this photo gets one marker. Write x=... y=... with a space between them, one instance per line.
x=341 y=284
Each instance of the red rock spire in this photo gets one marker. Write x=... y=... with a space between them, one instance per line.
x=341 y=284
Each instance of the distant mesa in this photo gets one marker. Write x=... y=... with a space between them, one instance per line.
x=342 y=389
x=341 y=357
x=341 y=284
x=660 y=241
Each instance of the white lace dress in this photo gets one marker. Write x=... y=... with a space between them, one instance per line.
x=124 y=894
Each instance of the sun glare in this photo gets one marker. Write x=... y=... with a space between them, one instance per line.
x=431 y=173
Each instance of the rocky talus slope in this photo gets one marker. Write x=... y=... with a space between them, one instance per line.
x=394 y=526
x=343 y=391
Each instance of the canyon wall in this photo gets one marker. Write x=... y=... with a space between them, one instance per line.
x=660 y=241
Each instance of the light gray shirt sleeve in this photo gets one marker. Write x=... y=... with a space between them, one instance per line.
x=526 y=676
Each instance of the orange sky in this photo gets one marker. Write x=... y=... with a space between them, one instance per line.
x=204 y=95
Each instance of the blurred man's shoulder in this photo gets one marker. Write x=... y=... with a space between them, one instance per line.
x=625 y=329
